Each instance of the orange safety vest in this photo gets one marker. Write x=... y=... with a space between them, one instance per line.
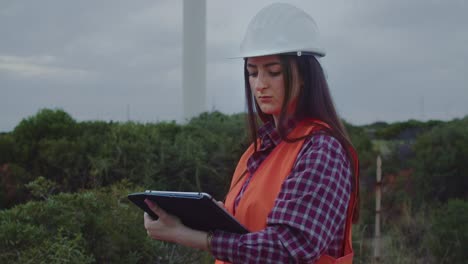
x=259 y=198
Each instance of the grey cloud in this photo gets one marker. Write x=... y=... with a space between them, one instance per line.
x=384 y=57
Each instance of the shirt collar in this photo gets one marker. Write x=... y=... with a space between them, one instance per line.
x=269 y=135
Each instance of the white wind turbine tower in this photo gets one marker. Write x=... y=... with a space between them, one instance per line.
x=194 y=58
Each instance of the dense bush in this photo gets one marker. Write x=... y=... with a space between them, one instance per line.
x=407 y=130
x=367 y=154
x=440 y=162
x=99 y=226
x=450 y=232
x=198 y=156
x=65 y=183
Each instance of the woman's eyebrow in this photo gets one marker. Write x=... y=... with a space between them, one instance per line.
x=271 y=64
x=249 y=65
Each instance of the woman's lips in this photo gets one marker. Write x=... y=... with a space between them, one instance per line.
x=265 y=99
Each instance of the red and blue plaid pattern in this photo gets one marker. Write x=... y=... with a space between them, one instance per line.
x=308 y=218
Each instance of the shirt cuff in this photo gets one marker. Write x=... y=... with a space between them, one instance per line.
x=224 y=245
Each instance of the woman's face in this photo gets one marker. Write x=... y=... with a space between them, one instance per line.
x=266 y=78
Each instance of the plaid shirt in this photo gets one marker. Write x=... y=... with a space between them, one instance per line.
x=309 y=215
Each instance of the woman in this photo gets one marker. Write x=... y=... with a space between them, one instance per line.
x=296 y=186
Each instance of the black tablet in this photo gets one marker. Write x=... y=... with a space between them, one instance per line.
x=196 y=210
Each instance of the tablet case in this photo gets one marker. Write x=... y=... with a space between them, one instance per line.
x=196 y=210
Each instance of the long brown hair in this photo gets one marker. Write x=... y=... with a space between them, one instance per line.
x=314 y=101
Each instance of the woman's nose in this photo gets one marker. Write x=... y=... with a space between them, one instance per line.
x=260 y=82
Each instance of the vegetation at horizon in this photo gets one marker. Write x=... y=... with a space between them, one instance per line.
x=63 y=186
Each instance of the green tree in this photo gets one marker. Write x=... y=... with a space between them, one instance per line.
x=440 y=162
x=7 y=148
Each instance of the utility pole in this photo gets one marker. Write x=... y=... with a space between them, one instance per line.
x=378 y=197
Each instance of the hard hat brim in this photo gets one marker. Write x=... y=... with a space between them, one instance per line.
x=317 y=53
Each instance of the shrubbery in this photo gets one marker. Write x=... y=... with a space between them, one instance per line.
x=196 y=156
x=65 y=184
x=440 y=162
x=450 y=232
x=99 y=226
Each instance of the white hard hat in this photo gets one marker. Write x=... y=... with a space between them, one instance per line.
x=281 y=28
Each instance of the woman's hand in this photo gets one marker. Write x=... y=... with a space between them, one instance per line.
x=169 y=228
x=166 y=228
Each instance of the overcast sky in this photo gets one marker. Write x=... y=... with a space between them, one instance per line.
x=387 y=60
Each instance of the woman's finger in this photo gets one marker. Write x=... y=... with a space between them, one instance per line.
x=153 y=207
x=156 y=209
x=147 y=220
x=147 y=217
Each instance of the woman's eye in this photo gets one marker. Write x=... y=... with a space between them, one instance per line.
x=253 y=74
x=275 y=73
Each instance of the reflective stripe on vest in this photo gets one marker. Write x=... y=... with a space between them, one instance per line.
x=259 y=197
